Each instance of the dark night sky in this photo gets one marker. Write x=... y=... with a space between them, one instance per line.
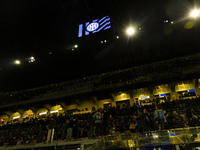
x=38 y=27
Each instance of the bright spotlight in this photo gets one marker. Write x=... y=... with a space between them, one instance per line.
x=130 y=31
x=32 y=59
x=76 y=46
x=17 y=62
x=194 y=13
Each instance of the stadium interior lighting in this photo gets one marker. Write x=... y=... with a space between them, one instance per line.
x=17 y=62
x=194 y=13
x=54 y=111
x=32 y=59
x=43 y=113
x=17 y=117
x=130 y=31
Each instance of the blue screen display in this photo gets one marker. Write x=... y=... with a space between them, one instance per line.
x=172 y=134
x=94 y=26
x=191 y=90
x=162 y=95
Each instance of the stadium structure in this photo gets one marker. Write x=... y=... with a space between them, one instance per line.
x=134 y=63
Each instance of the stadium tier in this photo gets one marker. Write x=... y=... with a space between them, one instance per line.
x=63 y=112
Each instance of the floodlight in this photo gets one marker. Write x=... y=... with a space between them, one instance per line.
x=76 y=46
x=17 y=62
x=194 y=13
x=130 y=31
x=32 y=59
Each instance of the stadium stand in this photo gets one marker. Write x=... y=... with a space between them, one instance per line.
x=165 y=69
x=124 y=119
x=115 y=121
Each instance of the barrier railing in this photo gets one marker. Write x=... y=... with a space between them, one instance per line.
x=178 y=136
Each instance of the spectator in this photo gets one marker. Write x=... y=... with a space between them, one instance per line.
x=105 y=122
x=147 y=121
x=75 y=128
x=69 y=129
x=91 y=128
x=98 y=121
x=121 y=126
x=159 y=116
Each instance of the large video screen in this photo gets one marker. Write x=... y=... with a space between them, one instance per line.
x=94 y=26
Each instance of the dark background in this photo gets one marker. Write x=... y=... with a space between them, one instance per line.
x=48 y=30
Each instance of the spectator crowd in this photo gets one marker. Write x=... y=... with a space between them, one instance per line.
x=108 y=121
x=112 y=120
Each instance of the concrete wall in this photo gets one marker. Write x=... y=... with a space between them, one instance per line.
x=121 y=96
x=29 y=112
x=71 y=107
x=87 y=103
x=6 y=117
x=184 y=85
x=57 y=107
x=162 y=89
x=41 y=110
x=142 y=92
x=16 y=114
x=100 y=103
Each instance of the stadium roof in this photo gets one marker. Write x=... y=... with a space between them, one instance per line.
x=42 y=34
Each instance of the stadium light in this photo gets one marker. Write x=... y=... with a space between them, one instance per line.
x=17 y=62
x=75 y=46
x=195 y=13
x=32 y=59
x=130 y=31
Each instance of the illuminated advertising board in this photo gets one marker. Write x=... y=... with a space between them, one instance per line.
x=17 y=117
x=25 y=116
x=94 y=26
x=191 y=90
x=158 y=148
x=42 y=113
x=143 y=98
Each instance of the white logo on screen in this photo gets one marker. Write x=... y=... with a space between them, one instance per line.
x=92 y=26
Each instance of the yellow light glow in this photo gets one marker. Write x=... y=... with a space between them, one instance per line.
x=189 y=25
x=76 y=46
x=17 y=62
x=194 y=13
x=130 y=31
